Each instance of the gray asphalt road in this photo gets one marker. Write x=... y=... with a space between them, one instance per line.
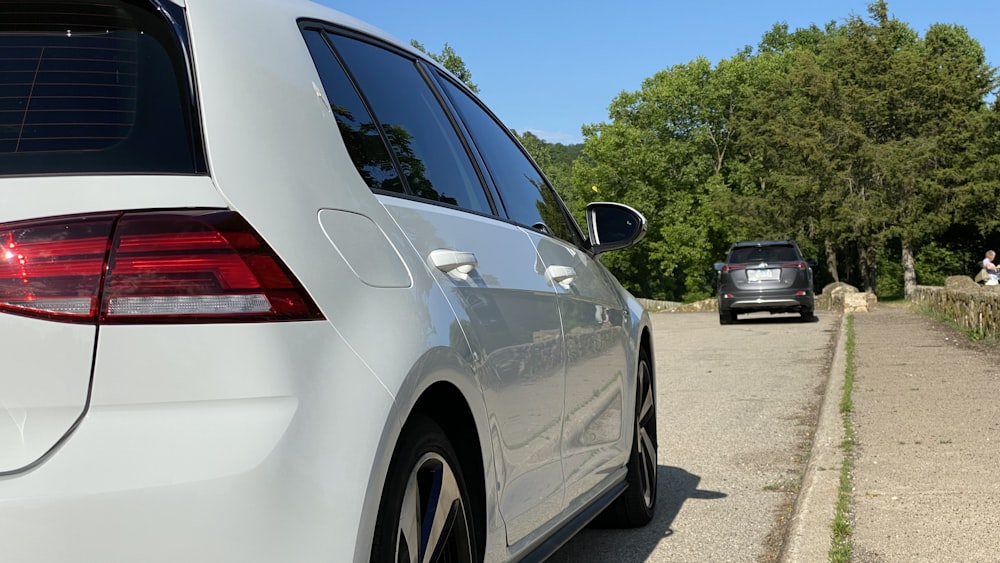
x=737 y=407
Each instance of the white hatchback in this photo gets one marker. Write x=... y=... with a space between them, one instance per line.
x=276 y=287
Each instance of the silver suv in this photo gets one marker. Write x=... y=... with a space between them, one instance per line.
x=765 y=275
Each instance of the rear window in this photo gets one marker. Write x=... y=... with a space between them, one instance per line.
x=756 y=254
x=93 y=88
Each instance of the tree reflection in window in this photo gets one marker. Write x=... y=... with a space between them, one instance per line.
x=413 y=167
x=527 y=198
x=367 y=150
x=397 y=112
x=551 y=211
x=427 y=147
x=357 y=128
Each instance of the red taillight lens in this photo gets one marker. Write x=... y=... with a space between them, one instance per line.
x=52 y=269
x=733 y=267
x=166 y=267
x=800 y=265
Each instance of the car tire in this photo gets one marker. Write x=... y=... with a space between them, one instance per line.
x=727 y=317
x=425 y=504
x=635 y=506
x=807 y=315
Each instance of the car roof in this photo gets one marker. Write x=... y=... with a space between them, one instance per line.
x=746 y=243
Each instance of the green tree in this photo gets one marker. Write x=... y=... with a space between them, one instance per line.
x=861 y=139
x=916 y=100
x=663 y=153
x=785 y=177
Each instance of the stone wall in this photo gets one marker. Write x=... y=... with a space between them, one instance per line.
x=972 y=306
x=654 y=306
x=834 y=297
x=840 y=296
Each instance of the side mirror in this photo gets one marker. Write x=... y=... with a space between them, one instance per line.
x=613 y=226
x=812 y=262
x=718 y=266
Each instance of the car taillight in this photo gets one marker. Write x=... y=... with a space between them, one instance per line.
x=733 y=267
x=53 y=269
x=800 y=265
x=150 y=267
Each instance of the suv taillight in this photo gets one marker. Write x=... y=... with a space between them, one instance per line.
x=148 y=267
x=726 y=268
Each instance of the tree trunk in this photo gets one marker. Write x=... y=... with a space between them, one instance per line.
x=909 y=272
x=869 y=267
x=831 y=260
x=851 y=261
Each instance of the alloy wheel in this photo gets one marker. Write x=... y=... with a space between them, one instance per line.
x=433 y=520
x=645 y=421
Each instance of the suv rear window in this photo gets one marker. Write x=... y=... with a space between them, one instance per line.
x=765 y=253
x=93 y=88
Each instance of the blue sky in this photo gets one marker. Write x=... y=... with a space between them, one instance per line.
x=550 y=66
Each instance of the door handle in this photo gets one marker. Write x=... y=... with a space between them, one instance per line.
x=562 y=275
x=455 y=263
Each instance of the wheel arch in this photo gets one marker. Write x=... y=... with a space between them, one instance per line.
x=646 y=345
x=441 y=386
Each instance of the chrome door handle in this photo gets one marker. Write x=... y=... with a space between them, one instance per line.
x=455 y=263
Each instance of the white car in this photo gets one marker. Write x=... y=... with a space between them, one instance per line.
x=276 y=287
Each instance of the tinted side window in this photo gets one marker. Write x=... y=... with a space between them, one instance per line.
x=433 y=158
x=527 y=198
x=93 y=87
x=357 y=127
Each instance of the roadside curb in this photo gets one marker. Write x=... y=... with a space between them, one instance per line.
x=810 y=533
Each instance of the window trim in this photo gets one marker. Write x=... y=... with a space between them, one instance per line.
x=176 y=18
x=581 y=240
x=433 y=73
x=325 y=29
x=393 y=160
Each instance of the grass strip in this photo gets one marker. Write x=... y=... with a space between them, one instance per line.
x=842 y=550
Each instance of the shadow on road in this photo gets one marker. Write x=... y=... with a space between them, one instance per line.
x=777 y=318
x=674 y=488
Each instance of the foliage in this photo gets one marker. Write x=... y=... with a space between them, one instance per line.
x=938 y=261
x=890 y=274
x=862 y=141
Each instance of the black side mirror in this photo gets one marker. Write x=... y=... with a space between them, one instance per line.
x=613 y=226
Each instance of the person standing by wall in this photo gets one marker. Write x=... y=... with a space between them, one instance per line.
x=991 y=272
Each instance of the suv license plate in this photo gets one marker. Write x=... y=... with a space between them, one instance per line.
x=770 y=274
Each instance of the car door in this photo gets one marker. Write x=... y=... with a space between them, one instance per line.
x=592 y=312
x=595 y=323
x=413 y=155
